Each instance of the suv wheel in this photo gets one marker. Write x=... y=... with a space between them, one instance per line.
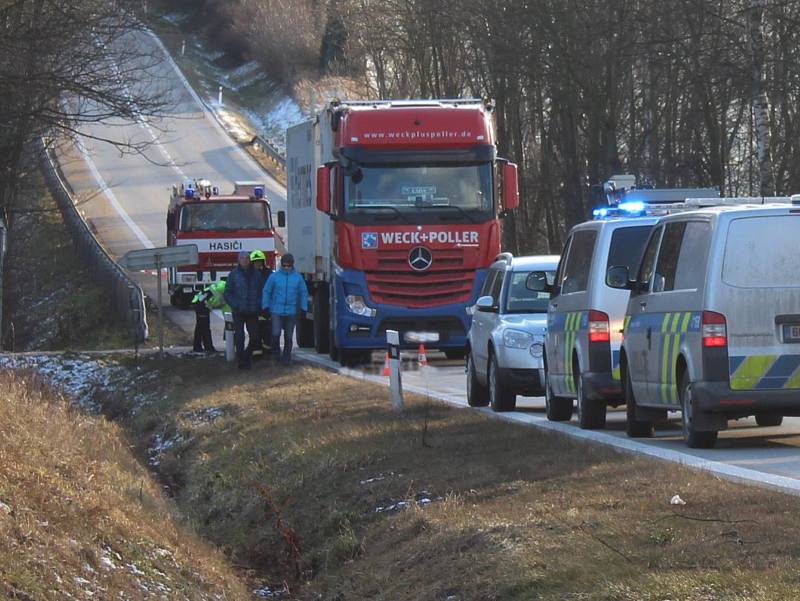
x=477 y=395
x=634 y=428
x=558 y=409
x=694 y=438
x=591 y=414
x=500 y=397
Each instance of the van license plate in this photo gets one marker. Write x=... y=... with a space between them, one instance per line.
x=791 y=333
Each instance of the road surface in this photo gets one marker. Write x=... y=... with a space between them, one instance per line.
x=124 y=198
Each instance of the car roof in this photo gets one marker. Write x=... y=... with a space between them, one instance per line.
x=615 y=222
x=733 y=211
x=534 y=262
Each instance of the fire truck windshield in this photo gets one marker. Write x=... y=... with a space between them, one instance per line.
x=420 y=192
x=223 y=216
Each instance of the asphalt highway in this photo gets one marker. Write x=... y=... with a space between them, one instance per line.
x=124 y=197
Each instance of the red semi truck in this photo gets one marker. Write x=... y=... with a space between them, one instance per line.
x=221 y=226
x=394 y=216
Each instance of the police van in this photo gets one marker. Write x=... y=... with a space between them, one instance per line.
x=713 y=322
x=585 y=314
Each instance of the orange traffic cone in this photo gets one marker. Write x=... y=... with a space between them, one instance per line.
x=422 y=358
x=386 y=365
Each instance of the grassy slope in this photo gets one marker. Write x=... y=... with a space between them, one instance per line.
x=79 y=515
x=516 y=513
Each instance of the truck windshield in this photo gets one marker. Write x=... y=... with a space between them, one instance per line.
x=459 y=192
x=224 y=216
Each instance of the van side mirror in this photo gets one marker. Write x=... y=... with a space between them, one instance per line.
x=510 y=187
x=324 y=189
x=486 y=304
x=539 y=281
x=619 y=277
x=281 y=218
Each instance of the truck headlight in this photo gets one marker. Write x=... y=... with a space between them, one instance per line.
x=355 y=304
x=517 y=339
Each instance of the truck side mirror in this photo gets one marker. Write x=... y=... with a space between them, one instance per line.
x=510 y=187
x=324 y=189
x=618 y=277
x=281 y=218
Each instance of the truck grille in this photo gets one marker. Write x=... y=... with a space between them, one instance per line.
x=445 y=282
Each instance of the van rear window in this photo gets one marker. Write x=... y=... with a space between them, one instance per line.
x=627 y=246
x=762 y=252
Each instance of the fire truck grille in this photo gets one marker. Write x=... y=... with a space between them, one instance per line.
x=445 y=282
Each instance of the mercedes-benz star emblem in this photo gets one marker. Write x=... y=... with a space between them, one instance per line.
x=420 y=258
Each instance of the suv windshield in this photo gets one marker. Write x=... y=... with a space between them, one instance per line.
x=407 y=192
x=224 y=216
x=521 y=299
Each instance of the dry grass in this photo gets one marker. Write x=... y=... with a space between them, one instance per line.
x=515 y=513
x=80 y=518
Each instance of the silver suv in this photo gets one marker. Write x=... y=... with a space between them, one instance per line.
x=505 y=345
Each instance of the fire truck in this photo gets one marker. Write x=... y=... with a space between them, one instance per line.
x=394 y=216
x=221 y=226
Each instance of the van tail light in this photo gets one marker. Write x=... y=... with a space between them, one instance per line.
x=715 y=331
x=599 y=328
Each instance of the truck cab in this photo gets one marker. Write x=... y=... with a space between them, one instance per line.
x=221 y=226
x=404 y=223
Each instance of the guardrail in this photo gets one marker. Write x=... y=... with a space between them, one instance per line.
x=272 y=152
x=127 y=296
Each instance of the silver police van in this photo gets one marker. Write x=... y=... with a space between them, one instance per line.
x=586 y=314
x=505 y=341
x=713 y=322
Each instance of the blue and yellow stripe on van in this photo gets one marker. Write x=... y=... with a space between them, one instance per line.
x=570 y=323
x=764 y=372
x=672 y=328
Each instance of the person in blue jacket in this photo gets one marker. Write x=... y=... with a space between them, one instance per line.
x=243 y=289
x=285 y=293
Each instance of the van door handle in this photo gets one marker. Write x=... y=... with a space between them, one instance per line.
x=642 y=304
x=649 y=336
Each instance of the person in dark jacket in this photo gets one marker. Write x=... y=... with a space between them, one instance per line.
x=284 y=295
x=243 y=292
x=202 y=324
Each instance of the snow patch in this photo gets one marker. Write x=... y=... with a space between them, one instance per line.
x=266 y=592
x=79 y=376
x=160 y=446
x=421 y=498
x=204 y=416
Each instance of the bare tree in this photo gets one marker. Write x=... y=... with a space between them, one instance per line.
x=63 y=65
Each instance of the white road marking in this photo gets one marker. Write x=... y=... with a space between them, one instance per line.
x=105 y=189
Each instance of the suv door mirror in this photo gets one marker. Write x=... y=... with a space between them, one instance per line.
x=281 y=218
x=618 y=277
x=538 y=282
x=486 y=304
